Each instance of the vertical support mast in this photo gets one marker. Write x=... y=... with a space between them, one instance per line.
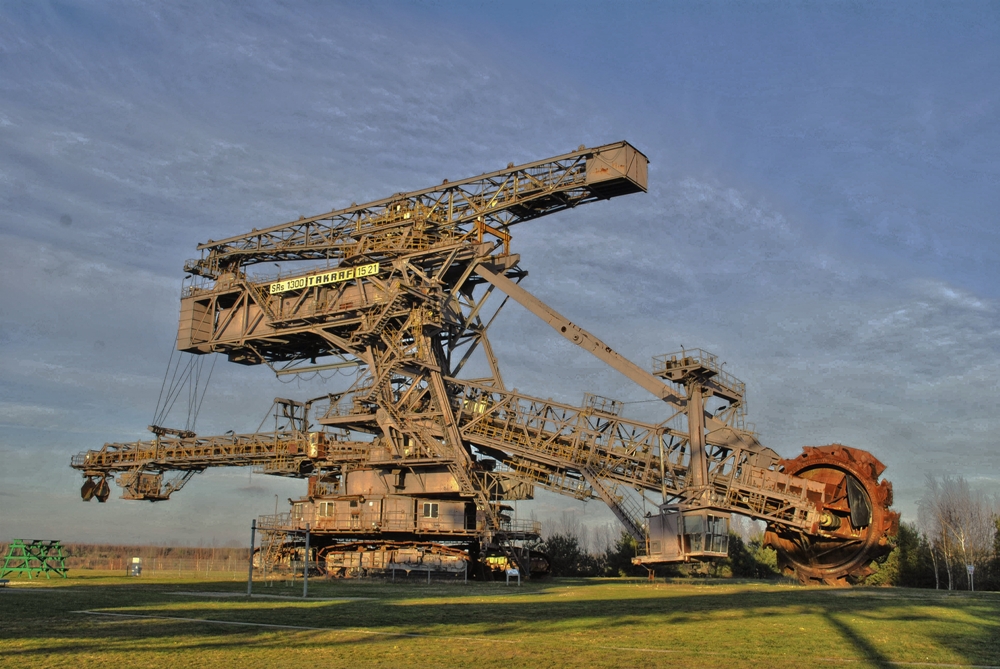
x=696 y=436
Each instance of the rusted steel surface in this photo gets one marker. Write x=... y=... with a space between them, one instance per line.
x=412 y=451
x=856 y=519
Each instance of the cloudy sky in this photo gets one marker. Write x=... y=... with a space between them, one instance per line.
x=822 y=213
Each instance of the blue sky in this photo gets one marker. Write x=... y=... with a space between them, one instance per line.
x=822 y=212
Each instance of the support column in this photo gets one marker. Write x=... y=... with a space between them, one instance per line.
x=696 y=436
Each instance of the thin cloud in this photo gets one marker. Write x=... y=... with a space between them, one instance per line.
x=833 y=243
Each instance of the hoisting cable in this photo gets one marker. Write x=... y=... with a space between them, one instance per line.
x=159 y=400
x=180 y=376
x=177 y=382
x=193 y=418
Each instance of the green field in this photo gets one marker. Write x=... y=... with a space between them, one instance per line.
x=104 y=620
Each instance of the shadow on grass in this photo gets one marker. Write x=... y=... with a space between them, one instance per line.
x=864 y=647
x=595 y=608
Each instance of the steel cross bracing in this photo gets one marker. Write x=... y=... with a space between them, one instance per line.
x=403 y=295
x=581 y=451
x=450 y=212
x=411 y=320
x=34 y=558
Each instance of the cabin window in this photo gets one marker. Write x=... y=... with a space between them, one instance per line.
x=717 y=539
x=430 y=509
x=706 y=534
x=326 y=509
x=694 y=531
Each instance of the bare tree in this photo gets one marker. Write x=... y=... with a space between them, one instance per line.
x=959 y=525
x=604 y=537
x=932 y=513
x=746 y=528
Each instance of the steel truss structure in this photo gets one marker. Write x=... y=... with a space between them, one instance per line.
x=34 y=558
x=414 y=452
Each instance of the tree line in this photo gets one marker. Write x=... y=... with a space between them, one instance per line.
x=569 y=555
x=957 y=527
x=168 y=558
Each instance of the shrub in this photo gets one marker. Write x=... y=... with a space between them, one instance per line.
x=618 y=558
x=567 y=558
x=751 y=559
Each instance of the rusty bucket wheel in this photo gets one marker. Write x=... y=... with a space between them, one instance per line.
x=855 y=517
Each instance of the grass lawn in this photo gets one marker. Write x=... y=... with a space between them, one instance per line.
x=97 y=619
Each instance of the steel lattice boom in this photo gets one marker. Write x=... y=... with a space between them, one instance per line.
x=413 y=454
x=452 y=211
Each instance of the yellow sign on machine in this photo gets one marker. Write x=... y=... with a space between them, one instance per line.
x=333 y=276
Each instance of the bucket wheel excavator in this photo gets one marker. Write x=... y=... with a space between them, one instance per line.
x=415 y=463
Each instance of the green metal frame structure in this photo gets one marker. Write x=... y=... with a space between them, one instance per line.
x=34 y=558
